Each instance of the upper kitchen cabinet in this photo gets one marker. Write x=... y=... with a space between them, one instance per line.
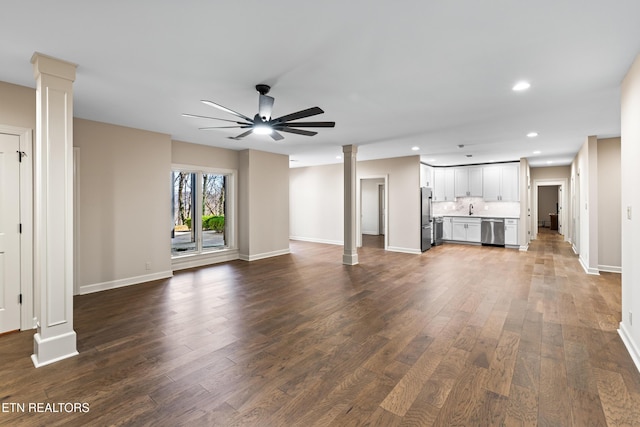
x=468 y=181
x=426 y=176
x=500 y=182
x=444 y=185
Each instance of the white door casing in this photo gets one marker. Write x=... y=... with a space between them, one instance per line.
x=9 y=233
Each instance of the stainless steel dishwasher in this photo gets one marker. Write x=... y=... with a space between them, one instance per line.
x=492 y=231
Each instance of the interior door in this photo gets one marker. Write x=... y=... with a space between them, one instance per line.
x=9 y=233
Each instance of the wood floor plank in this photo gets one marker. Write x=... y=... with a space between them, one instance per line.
x=301 y=339
x=503 y=363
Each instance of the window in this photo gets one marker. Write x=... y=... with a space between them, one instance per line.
x=202 y=212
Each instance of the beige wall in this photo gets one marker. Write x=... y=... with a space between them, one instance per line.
x=17 y=106
x=630 y=201
x=317 y=201
x=124 y=205
x=551 y=172
x=263 y=204
x=185 y=153
x=317 y=204
x=609 y=208
x=404 y=199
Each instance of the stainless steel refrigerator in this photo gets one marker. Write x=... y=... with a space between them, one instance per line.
x=426 y=217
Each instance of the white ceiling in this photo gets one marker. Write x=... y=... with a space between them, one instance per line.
x=392 y=75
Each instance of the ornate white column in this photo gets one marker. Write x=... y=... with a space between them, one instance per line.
x=55 y=338
x=350 y=256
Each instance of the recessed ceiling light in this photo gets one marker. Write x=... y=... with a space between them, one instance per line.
x=339 y=157
x=461 y=146
x=537 y=152
x=532 y=134
x=549 y=162
x=416 y=148
x=469 y=155
x=520 y=86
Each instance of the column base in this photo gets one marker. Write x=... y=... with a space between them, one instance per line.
x=50 y=350
x=350 y=259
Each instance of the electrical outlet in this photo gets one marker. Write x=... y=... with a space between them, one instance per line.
x=628 y=212
x=147 y=265
x=630 y=319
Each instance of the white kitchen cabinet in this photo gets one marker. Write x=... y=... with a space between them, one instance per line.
x=426 y=176
x=474 y=233
x=510 y=232
x=446 y=228
x=468 y=181
x=500 y=183
x=509 y=183
x=466 y=229
x=444 y=185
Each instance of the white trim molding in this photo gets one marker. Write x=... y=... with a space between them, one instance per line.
x=592 y=271
x=314 y=240
x=628 y=342
x=264 y=255
x=120 y=283
x=404 y=250
x=610 y=269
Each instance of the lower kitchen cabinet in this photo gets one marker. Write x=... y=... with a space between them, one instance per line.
x=465 y=229
x=511 y=232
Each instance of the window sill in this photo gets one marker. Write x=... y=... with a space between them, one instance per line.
x=182 y=262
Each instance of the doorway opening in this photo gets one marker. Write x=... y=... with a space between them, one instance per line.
x=373 y=224
x=549 y=214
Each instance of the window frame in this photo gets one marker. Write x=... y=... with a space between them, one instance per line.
x=231 y=222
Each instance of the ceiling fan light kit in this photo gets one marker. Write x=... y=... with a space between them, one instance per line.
x=262 y=123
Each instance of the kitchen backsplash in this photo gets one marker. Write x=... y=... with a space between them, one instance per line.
x=480 y=207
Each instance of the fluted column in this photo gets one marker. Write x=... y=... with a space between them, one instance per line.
x=350 y=256
x=55 y=338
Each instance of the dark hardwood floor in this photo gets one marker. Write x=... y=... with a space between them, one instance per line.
x=460 y=335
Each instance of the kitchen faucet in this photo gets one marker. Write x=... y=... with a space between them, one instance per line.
x=470 y=208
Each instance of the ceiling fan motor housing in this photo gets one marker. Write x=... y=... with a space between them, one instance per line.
x=263 y=89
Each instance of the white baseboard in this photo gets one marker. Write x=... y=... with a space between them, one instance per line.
x=404 y=250
x=632 y=348
x=610 y=268
x=524 y=248
x=264 y=255
x=585 y=267
x=575 y=250
x=113 y=284
x=313 y=240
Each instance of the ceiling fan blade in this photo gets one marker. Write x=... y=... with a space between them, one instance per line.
x=223 y=127
x=276 y=136
x=297 y=131
x=242 y=135
x=299 y=115
x=265 y=106
x=226 y=110
x=207 y=117
x=310 y=124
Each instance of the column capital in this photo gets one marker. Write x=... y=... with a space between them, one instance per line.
x=44 y=64
x=350 y=149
